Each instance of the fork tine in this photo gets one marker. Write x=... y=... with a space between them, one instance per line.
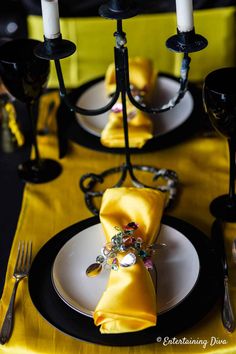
x=234 y=251
x=24 y=266
x=19 y=255
x=24 y=257
x=21 y=262
x=28 y=256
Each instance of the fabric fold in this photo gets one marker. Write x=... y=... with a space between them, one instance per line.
x=129 y=302
x=142 y=83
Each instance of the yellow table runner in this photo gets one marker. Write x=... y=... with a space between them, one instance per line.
x=202 y=165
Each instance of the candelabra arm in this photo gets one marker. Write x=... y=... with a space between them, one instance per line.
x=174 y=100
x=122 y=75
x=80 y=110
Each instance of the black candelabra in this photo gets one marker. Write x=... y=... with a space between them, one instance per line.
x=183 y=42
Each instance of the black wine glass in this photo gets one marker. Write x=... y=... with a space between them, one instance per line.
x=219 y=97
x=25 y=76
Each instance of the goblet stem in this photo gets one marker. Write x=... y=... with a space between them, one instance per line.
x=33 y=120
x=231 y=144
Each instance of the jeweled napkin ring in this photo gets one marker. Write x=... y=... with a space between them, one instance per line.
x=124 y=242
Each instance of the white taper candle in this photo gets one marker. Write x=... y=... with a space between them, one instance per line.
x=184 y=13
x=50 y=14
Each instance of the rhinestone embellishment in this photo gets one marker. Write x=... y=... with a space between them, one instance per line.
x=128 y=260
x=123 y=251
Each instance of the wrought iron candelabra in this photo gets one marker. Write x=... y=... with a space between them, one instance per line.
x=183 y=42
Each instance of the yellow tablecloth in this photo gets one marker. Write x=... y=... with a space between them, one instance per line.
x=202 y=165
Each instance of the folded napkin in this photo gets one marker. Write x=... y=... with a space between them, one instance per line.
x=11 y=136
x=13 y=124
x=142 y=81
x=129 y=302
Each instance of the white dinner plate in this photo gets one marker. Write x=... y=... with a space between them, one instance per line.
x=95 y=97
x=177 y=266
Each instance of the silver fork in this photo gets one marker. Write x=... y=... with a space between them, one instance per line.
x=23 y=263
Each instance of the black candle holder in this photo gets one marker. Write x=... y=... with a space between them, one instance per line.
x=186 y=42
x=183 y=42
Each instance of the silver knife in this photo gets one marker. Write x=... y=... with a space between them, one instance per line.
x=218 y=240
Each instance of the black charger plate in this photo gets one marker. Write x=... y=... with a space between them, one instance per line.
x=184 y=315
x=184 y=131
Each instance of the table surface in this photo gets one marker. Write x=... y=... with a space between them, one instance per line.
x=202 y=177
x=38 y=212
x=11 y=191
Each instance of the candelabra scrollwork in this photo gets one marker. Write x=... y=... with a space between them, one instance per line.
x=90 y=180
x=184 y=42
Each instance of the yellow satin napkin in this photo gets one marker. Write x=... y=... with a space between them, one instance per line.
x=129 y=302
x=13 y=124
x=142 y=81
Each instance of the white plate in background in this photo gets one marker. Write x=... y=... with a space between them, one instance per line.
x=95 y=97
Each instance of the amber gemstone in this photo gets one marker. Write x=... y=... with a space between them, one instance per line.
x=93 y=270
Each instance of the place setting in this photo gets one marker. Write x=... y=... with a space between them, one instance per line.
x=187 y=277
x=73 y=278
x=169 y=128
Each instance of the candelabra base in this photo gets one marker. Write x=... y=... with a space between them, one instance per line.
x=224 y=208
x=42 y=171
x=90 y=181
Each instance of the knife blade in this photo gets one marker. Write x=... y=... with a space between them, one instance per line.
x=218 y=240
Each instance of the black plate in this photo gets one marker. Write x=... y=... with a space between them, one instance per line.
x=80 y=136
x=193 y=308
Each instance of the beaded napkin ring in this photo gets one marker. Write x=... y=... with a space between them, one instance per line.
x=138 y=95
x=124 y=242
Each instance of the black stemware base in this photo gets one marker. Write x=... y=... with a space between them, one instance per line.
x=42 y=171
x=224 y=207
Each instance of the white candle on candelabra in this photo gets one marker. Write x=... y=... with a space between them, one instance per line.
x=50 y=14
x=184 y=13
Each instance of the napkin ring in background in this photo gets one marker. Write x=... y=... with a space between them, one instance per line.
x=142 y=83
x=124 y=242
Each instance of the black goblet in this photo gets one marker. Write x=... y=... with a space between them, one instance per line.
x=25 y=76
x=219 y=97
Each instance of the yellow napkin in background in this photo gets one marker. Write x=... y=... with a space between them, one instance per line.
x=141 y=72
x=13 y=124
x=142 y=80
x=129 y=302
